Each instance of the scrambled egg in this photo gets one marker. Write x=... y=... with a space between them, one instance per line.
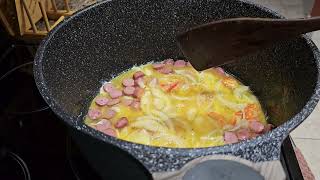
x=184 y=108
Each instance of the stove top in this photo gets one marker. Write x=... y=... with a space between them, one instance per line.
x=34 y=144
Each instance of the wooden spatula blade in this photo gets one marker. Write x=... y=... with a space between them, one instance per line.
x=224 y=41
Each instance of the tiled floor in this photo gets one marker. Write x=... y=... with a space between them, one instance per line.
x=307 y=135
x=307 y=139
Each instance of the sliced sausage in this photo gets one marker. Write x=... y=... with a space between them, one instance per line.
x=113 y=102
x=94 y=113
x=179 y=63
x=158 y=65
x=230 y=137
x=103 y=124
x=140 y=82
x=268 y=128
x=121 y=123
x=138 y=92
x=220 y=70
x=168 y=61
x=110 y=113
x=115 y=94
x=110 y=132
x=101 y=101
x=128 y=82
x=243 y=134
x=165 y=70
x=138 y=74
x=127 y=102
x=108 y=87
x=128 y=91
x=256 y=126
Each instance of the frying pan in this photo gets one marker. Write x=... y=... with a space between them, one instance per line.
x=111 y=36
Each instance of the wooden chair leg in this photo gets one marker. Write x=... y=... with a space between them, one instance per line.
x=54 y=5
x=44 y=14
x=33 y=25
x=66 y=4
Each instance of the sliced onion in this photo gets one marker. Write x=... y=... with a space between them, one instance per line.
x=185 y=125
x=140 y=136
x=229 y=104
x=202 y=101
x=186 y=75
x=152 y=118
x=158 y=103
x=181 y=98
x=165 y=118
x=172 y=139
x=238 y=92
x=192 y=113
x=146 y=102
x=149 y=125
x=216 y=132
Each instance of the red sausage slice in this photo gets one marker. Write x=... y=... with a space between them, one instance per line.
x=138 y=74
x=127 y=102
x=101 y=101
x=113 y=102
x=108 y=87
x=158 y=65
x=128 y=82
x=179 y=63
x=128 y=90
x=243 y=134
x=94 y=113
x=110 y=132
x=256 y=126
x=168 y=61
x=110 y=113
x=165 y=70
x=103 y=124
x=115 y=94
x=138 y=92
x=220 y=70
x=230 y=137
x=121 y=123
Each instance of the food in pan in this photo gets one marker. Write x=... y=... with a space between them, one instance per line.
x=170 y=104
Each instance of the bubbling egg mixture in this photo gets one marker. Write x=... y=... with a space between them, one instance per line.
x=170 y=104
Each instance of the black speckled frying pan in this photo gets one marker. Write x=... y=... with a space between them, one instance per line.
x=103 y=40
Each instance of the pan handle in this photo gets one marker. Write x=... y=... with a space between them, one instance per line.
x=225 y=167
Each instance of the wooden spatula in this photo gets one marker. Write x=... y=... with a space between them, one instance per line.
x=224 y=41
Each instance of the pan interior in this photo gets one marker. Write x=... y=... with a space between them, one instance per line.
x=98 y=44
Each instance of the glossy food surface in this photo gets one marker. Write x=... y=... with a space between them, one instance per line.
x=170 y=104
